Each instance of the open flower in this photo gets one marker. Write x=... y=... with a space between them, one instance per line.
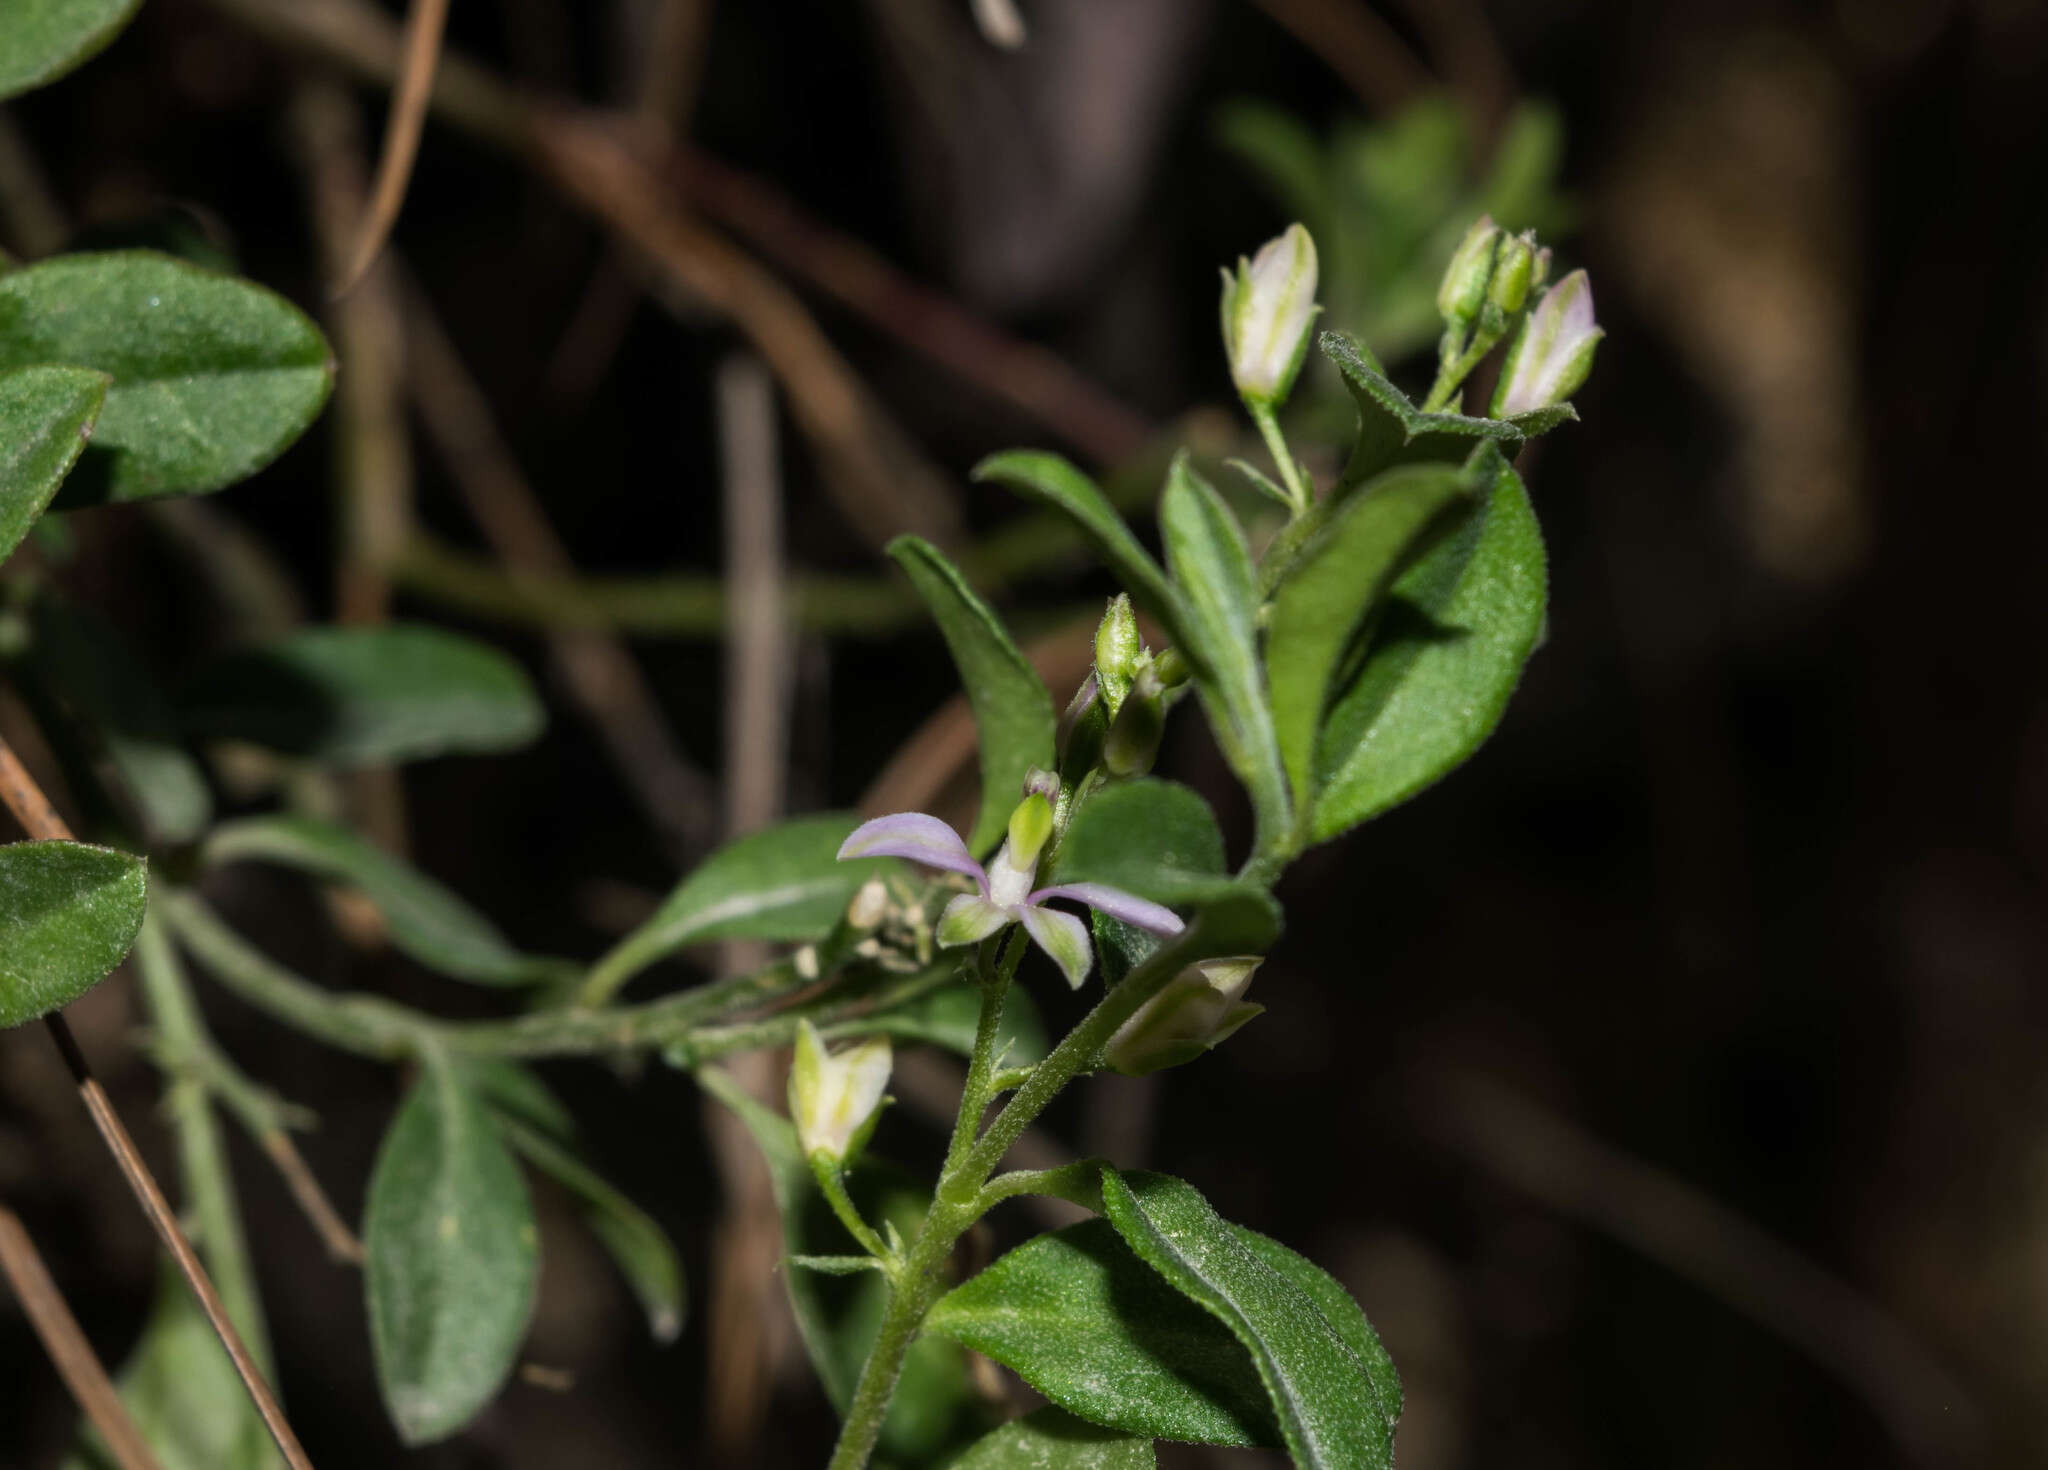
x=1004 y=893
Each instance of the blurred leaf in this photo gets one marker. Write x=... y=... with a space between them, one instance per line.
x=640 y=1247
x=516 y=1091
x=68 y=915
x=1343 y=1314
x=424 y=919
x=949 y=1015
x=1447 y=653
x=86 y=661
x=1150 y=837
x=1013 y=713
x=212 y=376
x=1286 y=155
x=1330 y=589
x=935 y=1406
x=171 y=228
x=1082 y=1319
x=1520 y=189
x=366 y=696
x=40 y=40
x=46 y=416
x=1052 y=1439
x=1327 y=1404
x=1392 y=430
x=183 y=1394
x=453 y=1259
x=783 y=882
x=1219 y=589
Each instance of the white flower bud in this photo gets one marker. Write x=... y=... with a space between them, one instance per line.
x=1552 y=353
x=1268 y=308
x=1197 y=1010
x=869 y=907
x=835 y=1100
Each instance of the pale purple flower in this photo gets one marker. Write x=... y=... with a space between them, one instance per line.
x=1553 y=352
x=1004 y=894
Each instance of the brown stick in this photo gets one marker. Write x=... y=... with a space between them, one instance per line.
x=66 y=1344
x=424 y=25
x=39 y=819
x=341 y=1244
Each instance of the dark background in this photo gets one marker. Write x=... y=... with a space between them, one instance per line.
x=1668 y=1084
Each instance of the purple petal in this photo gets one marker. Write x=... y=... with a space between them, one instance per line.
x=1138 y=912
x=1064 y=937
x=918 y=837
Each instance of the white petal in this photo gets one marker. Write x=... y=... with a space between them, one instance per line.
x=969 y=919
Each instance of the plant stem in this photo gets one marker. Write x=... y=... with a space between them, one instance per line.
x=1276 y=445
x=832 y=1183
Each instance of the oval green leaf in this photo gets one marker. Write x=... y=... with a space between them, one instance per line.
x=68 y=915
x=1150 y=837
x=46 y=417
x=453 y=1259
x=1053 y=1439
x=1013 y=713
x=212 y=377
x=366 y=696
x=41 y=40
x=1328 y=1405
x=1456 y=629
x=425 y=920
x=1392 y=430
x=1337 y=582
x=1338 y=1309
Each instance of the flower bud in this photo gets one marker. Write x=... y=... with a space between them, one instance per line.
x=1552 y=353
x=1197 y=1010
x=1268 y=308
x=1079 y=740
x=1133 y=740
x=835 y=1100
x=1463 y=290
x=1040 y=782
x=1117 y=650
x=1513 y=271
x=869 y=907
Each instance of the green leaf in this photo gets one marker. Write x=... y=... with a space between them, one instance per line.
x=90 y=667
x=424 y=919
x=366 y=696
x=1082 y=1319
x=1338 y=1309
x=68 y=914
x=1150 y=837
x=183 y=1395
x=453 y=1259
x=639 y=1247
x=212 y=376
x=1013 y=713
x=837 y=1316
x=1340 y=578
x=1447 y=653
x=1327 y=1404
x=948 y=1015
x=1392 y=430
x=1052 y=1439
x=783 y=882
x=40 y=40
x=1280 y=147
x=1219 y=590
x=1051 y=481
x=46 y=416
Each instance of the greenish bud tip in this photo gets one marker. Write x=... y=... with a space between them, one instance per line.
x=1117 y=651
x=1030 y=828
x=1463 y=289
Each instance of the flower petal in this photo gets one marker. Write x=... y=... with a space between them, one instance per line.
x=1140 y=913
x=969 y=919
x=918 y=837
x=1062 y=936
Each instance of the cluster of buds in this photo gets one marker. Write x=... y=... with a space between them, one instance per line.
x=1493 y=278
x=1118 y=715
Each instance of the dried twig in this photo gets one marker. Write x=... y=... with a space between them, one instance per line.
x=25 y=799
x=66 y=1344
x=424 y=24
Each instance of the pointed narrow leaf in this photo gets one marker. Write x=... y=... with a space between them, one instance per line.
x=41 y=40
x=212 y=376
x=1445 y=656
x=87 y=664
x=1331 y=589
x=68 y=915
x=1154 y=838
x=46 y=416
x=1392 y=430
x=1327 y=1403
x=639 y=1247
x=424 y=919
x=366 y=696
x=453 y=1259
x=1052 y=481
x=783 y=882
x=1081 y=1318
x=1052 y=1439
x=1013 y=714
x=1219 y=591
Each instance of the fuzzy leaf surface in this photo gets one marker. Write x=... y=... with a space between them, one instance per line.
x=68 y=915
x=41 y=40
x=1052 y=1439
x=46 y=417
